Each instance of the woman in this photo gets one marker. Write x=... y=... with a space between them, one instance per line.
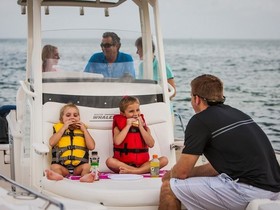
x=50 y=57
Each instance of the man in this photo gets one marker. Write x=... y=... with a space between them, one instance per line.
x=242 y=163
x=111 y=62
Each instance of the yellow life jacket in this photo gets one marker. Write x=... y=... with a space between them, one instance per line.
x=71 y=148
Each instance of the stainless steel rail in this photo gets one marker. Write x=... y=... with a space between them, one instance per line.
x=30 y=194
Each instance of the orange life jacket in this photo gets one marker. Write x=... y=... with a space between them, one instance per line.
x=133 y=150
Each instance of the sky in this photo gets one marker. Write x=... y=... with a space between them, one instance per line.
x=189 y=19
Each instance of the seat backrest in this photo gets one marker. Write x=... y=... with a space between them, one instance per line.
x=99 y=123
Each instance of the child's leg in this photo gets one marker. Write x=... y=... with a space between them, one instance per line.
x=57 y=168
x=88 y=178
x=84 y=171
x=144 y=168
x=51 y=175
x=56 y=172
x=120 y=167
x=163 y=161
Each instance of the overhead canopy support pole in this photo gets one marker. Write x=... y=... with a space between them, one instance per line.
x=36 y=134
x=146 y=38
x=161 y=56
x=29 y=38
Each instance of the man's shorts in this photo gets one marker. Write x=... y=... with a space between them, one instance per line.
x=219 y=192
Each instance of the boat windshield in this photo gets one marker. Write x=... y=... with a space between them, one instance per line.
x=78 y=69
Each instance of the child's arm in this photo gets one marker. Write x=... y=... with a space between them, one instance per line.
x=146 y=133
x=90 y=143
x=119 y=136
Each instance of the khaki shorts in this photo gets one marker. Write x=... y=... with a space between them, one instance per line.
x=214 y=193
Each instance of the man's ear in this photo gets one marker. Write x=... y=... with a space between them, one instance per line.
x=200 y=101
x=197 y=100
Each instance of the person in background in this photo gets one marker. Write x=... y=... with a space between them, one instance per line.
x=132 y=140
x=242 y=164
x=169 y=73
x=70 y=144
x=50 y=57
x=111 y=62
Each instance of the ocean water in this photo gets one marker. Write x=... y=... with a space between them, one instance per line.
x=250 y=70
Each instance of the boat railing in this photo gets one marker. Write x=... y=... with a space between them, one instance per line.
x=21 y=192
x=176 y=114
x=179 y=142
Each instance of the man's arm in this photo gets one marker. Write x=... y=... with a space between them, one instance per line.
x=204 y=170
x=185 y=167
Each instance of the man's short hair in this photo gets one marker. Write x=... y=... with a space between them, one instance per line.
x=139 y=43
x=115 y=38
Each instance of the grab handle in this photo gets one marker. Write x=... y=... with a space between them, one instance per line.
x=25 y=89
x=171 y=90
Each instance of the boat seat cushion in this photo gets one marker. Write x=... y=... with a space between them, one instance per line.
x=99 y=123
x=264 y=204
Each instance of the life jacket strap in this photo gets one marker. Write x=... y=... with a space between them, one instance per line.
x=134 y=129
x=126 y=150
x=69 y=157
x=58 y=151
x=69 y=147
x=71 y=133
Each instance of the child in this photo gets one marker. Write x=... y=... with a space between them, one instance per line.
x=70 y=144
x=132 y=138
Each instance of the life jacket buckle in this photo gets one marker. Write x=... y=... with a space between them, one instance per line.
x=71 y=157
x=71 y=147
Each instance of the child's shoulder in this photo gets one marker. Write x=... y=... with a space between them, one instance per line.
x=119 y=116
x=58 y=124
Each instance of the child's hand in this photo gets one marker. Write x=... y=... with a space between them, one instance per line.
x=141 y=121
x=80 y=125
x=67 y=124
x=138 y=121
x=71 y=124
x=129 y=121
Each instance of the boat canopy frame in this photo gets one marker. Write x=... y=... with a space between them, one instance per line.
x=75 y=3
x=33 y=86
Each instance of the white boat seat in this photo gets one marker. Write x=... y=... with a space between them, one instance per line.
x=99 y=123
x=264 y=204
x=111 y=192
